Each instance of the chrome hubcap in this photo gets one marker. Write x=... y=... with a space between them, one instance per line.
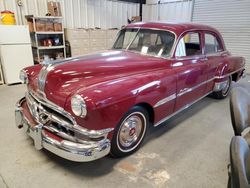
x=130 y=130
x=226 y=88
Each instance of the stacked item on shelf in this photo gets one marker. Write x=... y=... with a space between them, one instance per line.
x=85 y=41
x=47 y=38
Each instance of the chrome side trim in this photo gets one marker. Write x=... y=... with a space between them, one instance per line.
x=165 y=100
x=183 y=92
x=186 y=90
x=183 y=108
x=226 y=75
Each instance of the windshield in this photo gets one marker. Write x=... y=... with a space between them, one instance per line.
x=146 y=41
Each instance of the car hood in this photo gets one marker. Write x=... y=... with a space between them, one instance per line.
x=66 y=77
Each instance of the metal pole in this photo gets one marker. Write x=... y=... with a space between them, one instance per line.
x=159 y=10
x=192 y=14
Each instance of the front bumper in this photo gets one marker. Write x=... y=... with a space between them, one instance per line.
x=73 y=151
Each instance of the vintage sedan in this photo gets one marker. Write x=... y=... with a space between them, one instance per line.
x=84 y=108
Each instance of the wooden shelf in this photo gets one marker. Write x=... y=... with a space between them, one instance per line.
x=48 y=32
x=42 y=17
x=38 y=36
x=48 y=47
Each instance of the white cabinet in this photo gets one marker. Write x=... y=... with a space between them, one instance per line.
x=15 y=52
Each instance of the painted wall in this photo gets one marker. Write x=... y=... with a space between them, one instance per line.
x=168 y=10
x=78 y=13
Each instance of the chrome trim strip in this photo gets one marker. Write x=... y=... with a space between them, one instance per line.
x=183 y=92
x=186 y=90
x=165 y=100
x=228 y=74
x=183 y=108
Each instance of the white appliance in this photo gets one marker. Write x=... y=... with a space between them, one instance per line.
x=15 y=51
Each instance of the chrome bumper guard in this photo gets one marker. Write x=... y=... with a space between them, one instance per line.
x=73 y=151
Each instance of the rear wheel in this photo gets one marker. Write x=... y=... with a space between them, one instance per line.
x=130 y=132
x=225 y=90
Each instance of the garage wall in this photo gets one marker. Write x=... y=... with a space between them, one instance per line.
x=232 y=19
x=167 y=10
x=78 y=13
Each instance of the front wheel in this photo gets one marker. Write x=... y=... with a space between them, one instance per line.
x=130 y=132
x=225 y=90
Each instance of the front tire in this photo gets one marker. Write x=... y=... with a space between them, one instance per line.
x=130 y=132
x=225 y=91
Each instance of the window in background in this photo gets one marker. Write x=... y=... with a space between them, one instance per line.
x=211 y=44
x=189 y=45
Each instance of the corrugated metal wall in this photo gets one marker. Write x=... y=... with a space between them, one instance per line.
x=232 y=19
x=78 y=13
x=171 y=10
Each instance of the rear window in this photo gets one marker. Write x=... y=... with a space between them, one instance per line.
x=212 y=44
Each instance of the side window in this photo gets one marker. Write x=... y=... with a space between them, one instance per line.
x=211 y=44
x=189 y=45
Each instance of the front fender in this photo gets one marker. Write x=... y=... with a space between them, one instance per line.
x=107 y=102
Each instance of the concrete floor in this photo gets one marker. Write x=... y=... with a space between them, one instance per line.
x=190 y=150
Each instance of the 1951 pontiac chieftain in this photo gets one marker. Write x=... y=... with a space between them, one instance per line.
x=84 y=108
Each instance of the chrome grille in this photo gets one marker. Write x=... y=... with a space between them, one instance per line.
x=52 y=120
x=59 y=122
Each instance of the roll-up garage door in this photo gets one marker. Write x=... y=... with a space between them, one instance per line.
x=232 y=19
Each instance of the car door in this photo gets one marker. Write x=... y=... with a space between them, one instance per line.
x=214 y=52
x=190 y=67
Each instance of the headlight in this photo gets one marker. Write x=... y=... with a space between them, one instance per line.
x=78 y=106
x=23 y=76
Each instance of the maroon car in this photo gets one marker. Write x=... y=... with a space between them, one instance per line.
x=84 y=108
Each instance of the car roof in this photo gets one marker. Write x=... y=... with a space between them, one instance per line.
x=175 y=27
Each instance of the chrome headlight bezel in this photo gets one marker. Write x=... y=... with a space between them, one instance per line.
x=23 y=77
x=78 y=106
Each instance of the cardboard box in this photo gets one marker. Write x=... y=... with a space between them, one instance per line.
x=40 y=25
x=54 y=8
x=31 y=26
x=136 y=19
x=57 y=26
x=49 y=26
